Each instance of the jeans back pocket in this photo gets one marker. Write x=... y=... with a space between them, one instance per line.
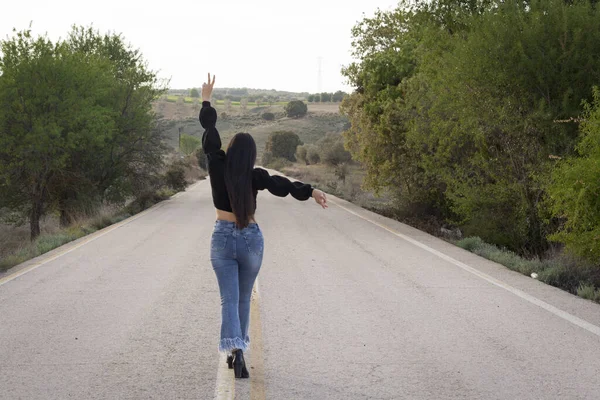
x=218 y=241
x=254 y=242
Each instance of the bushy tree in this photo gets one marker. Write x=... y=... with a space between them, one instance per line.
x=296 y=108
x=338 y=96
x=574 y=193
x=325 y=97
x=456 y=102
x=311 y=98
x=283 y=144
x=189 y=144
x=194 y=93
x=312 y=155
x=75 y=120
x=268 y=116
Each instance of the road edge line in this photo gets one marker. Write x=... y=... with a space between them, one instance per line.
x=525 y=296
x=74 y=245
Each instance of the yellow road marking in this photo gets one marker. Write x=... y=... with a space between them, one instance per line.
x=257 y=372
x=527 y=297
x=225 y=389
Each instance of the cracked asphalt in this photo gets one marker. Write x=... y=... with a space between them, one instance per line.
x=348 y=310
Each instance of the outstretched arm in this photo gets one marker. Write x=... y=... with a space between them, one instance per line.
x=281 y=186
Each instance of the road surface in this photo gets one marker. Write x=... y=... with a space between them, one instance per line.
x=349 y=305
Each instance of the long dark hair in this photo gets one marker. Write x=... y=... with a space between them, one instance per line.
x=241 y=156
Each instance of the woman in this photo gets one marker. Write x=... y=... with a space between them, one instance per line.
x=236 y=249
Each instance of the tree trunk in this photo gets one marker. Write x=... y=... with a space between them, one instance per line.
x=34 y=218
x=66 y=216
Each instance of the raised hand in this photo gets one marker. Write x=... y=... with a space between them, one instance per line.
x=320 y=198
x=207 y=88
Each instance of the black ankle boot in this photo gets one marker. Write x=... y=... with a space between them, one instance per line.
x=230 y=361
x=239 y=365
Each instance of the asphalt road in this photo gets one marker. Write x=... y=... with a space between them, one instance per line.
x=350 y=305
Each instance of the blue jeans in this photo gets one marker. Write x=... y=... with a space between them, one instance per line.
x=236 y=256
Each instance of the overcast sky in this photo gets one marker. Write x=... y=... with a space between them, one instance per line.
x=266 y=44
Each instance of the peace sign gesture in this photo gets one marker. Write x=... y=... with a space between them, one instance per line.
x=207 y=88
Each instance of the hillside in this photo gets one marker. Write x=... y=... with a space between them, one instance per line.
x=321 y=119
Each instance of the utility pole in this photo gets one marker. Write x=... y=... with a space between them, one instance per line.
x=320 y=75
x=180 y=130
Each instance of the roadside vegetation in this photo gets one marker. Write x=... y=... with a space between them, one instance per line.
x=80 y=146
x=484 y=116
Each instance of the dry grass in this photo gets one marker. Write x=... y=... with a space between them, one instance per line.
x=323 y=177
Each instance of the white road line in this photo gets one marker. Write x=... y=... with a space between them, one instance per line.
x=534 y=300
x=85 y=240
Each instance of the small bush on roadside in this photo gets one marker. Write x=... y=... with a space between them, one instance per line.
x=301 y=153
x=175 y=177
x=589 y=292
x=341 y=171
x=332 y=149
x=268 y=116
x=278 y=163
x=145 y=201
x=312 y=155
x=296 y=109
x=283 y=144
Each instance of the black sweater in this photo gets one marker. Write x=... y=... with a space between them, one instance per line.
x=211 y=144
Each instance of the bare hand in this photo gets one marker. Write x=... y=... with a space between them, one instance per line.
x=320 y=198
x=207 y=88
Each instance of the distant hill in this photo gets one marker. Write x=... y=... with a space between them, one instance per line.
x=321 y=119
x=236 y=93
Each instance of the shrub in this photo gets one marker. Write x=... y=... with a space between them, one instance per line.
x=279 y=163
x=301 y=153
x=341 y=171
x=312 y=155
x=189 y=144
x=175 y=177
x=575 y=188
x=268 y=116
x=296 y=108
x=332 y=149
x=283 y=144
x=267 y=157
x=144 y=201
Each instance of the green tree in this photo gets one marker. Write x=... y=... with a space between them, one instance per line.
x=50 y=111
x=194 y=93
x=456 y=102
x=311 y=98
x=338 y=96
x=189 y=144
x=76 y=123
x=131 y=157
x=325 y=97
x=574 y=192
x=296 y=108
x=283 y=144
